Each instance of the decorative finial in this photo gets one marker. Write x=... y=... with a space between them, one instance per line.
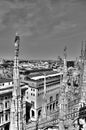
x=82 y=51
x=16 y=41
x=17 y=38
x=82 y=45
x=65 y=52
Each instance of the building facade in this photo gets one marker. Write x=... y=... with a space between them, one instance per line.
x=6 y=87
x=35 y=94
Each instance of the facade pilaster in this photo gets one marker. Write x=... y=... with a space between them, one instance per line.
x=44 y=104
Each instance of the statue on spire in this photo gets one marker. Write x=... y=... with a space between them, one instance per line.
x=16 y=114
x=82 y=51
x=65 y=63
x=16 y=44
x=17 y=38
x=65 y=52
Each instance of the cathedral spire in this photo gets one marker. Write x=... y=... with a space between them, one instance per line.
x=85 y=51
x=65 y=52
x=15 y=114
x=44 y=104
x=65 y=64
x=63 y=88
x=83 y=79
x=16 y=62
x=65 y=56
x=82 y=51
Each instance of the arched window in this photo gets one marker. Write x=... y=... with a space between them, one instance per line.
x=39 y=113
x=50 y=107
x=33 y=113
x=53 y=106
x=51 y=98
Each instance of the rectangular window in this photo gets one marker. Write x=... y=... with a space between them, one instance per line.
x=33 y=113
x=5 y=104
x=1 y=107
x=0 y=119
x=6 y=117
x=33 y=89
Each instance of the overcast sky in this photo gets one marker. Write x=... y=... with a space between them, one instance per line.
x=45 y=26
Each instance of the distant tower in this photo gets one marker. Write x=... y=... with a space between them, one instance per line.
x=44 y=104
x=83 y=79
x=15 y=114
x=83 y=87
x=65 y=65
x=85 y=51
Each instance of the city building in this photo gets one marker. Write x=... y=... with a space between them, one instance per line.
x=33 y=95
x=6 y=87
x=36 y=90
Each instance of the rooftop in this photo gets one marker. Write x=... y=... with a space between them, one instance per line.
x=26 y=72
x=9 y=88
x=42 y=75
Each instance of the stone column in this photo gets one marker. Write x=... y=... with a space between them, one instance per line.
x=24 y=113
x=44 y=103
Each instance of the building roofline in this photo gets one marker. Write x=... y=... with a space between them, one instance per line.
x=9 y=89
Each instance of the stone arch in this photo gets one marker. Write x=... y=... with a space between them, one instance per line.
x=39 y=113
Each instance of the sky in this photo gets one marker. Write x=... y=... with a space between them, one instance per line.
x=44 y=26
